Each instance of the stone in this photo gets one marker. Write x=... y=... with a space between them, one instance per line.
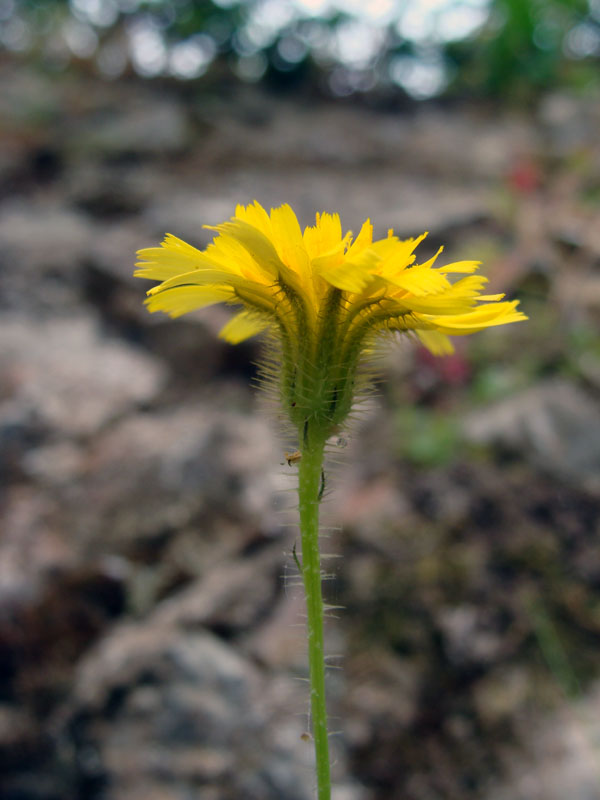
x=280 y=641
x=468 y=636
x=561 y=756
x=113 y=255
x=184 y=212
x=18 y=734
x=168 y=471
x=501 y=694
x=569 y=121
x=411 y=208
x=187 y=714
x=41 y=236
x=151 y=127
x=43 y=246
x=69 y=377
x=554 y=425
x=374 y=677
x=32 y=548
x=232 y=596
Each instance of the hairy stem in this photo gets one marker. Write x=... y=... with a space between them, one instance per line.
x=309 y=488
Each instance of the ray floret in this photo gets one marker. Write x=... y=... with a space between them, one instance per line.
x=323 y=296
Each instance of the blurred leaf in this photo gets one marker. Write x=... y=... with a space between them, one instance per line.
x=525 y=47
x=426 y=438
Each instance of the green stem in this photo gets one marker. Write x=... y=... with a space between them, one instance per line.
x=309 y=484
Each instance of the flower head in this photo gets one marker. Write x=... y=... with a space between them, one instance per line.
x=324 y=295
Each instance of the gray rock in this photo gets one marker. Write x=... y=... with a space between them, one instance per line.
x=42 y=248
x=17 y=730
x=348 y=791
x=69 y=377
x=56 y=464
x=351 y=138
x=555 y=426
x=189 y=715
x=569 y=121
x=38 y=236
x=502 y=693
x=468 y=635
x=161 y=472
x=31 y=547
x=562 y=757
x=29 y=97
x=113 y=254
x=411 y=207
x=150 y=127
x=184 y=213
x=280 y=641
x=383 y=693
x=233 y=595
x=198 y=659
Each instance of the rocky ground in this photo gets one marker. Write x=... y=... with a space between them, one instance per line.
x=151 y=641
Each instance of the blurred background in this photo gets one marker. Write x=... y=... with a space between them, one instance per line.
x=151 y=640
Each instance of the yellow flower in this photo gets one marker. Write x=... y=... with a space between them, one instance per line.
x=323 y=294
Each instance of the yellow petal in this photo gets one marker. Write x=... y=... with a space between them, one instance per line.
x=460 y=267
x=325 y=236
x=243 y=326
x=171 y=258
x=281 y=275
x=205 y=277
x=398 y=255
x=183 y=299
x=485 y=316
x=437 y=343
x=362 y=241
x=468 y=287
x=256 y=244
x=351 y=276
x=420 y=281
x=328 y=260
x=330 y=228
x=156 y=271
x=288 y=240
x=435 y=304
x=255 y=215
x=230 y=254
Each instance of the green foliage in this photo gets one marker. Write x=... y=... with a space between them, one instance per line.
x=553 y=649
x=525 y=47
x=426 y=438
x=494 y=382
